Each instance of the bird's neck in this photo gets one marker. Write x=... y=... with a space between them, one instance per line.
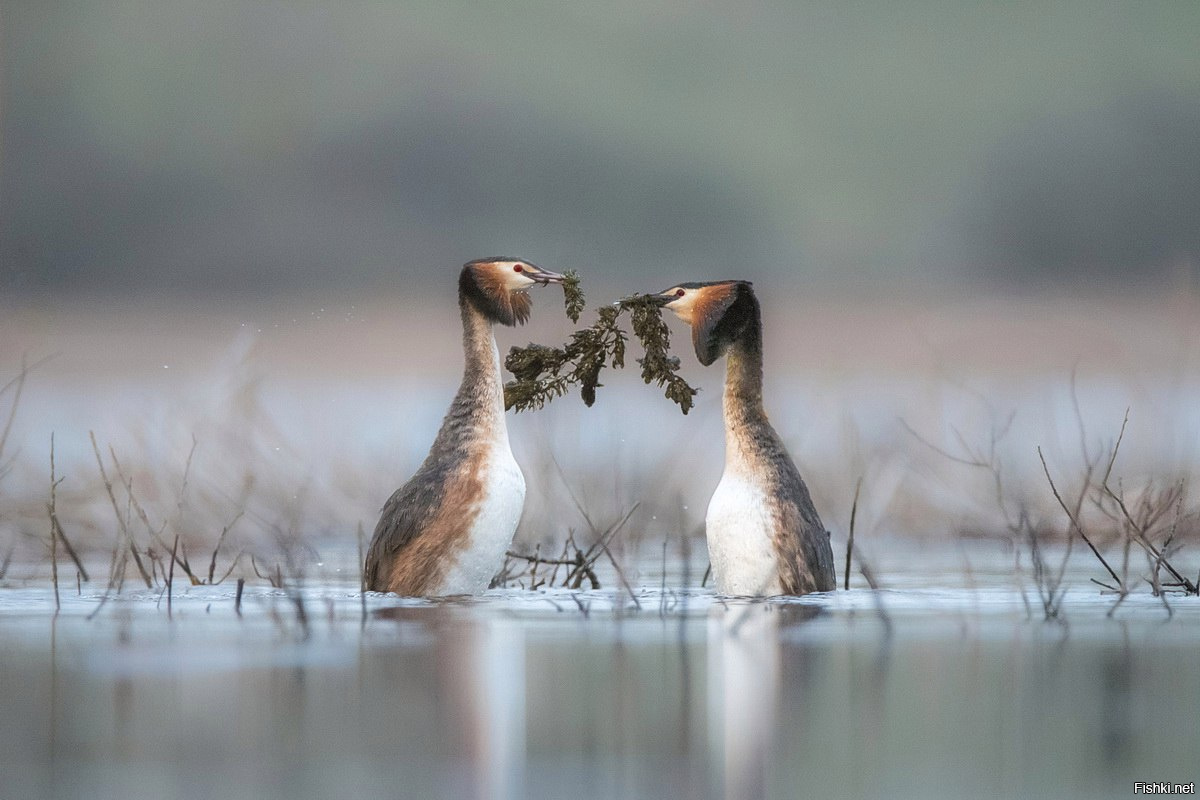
x=742 y=401
x=477 y=412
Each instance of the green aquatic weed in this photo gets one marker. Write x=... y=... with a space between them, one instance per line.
x=543 y=373
x=572 y=294
x=658 y=365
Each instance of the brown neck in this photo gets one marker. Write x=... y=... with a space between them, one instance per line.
x=477 y=412
x=743 y=378
x=481 y=385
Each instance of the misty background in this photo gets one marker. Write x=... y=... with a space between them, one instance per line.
x=271 y=148
x=236 y=227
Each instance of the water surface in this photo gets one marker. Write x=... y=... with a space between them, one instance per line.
x=947 y=683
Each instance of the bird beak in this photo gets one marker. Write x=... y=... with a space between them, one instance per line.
x=542 y=276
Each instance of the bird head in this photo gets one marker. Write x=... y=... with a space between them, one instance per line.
x=497 y=287
x=717 y=311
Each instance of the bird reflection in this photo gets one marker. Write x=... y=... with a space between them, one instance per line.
x=743 y=690
x=480 y=680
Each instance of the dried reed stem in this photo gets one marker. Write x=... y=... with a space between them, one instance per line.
x=123 y=527
x=850 y=538
x=53 y=535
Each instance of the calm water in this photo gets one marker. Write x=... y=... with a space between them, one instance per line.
x=942 y=685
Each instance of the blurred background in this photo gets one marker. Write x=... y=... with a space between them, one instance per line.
x=273 y=148
x=238 y=225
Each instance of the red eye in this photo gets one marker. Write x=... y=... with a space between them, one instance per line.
x=680 y=292
x=517 y=268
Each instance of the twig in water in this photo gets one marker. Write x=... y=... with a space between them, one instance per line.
x=601 y=539
x=582 y=566
x=1049 y=587
x=276 y=580
x=568 y=545
x=212 y=564
x=155 y=534
x=121 y=523
x=1138 y=532
x=62 y=537
x=537 y=552
x=232 y=565
x=56 y=530
x=53 y=535
x=850 y=538
x=171 y=574
x=500 y=579
x=1074 y=518
x=603 y=543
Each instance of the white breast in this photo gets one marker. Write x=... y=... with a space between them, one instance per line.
x=739 y=530
x=492 y=532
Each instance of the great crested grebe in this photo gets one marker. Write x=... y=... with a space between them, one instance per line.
x=764 y=536
x=446 y=530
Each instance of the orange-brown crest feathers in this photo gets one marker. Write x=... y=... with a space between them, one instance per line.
x=484 y=283
x=720 y=314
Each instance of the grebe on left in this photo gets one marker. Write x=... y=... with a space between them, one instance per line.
x=446 y=531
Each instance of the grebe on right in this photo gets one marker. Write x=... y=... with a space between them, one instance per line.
x=764 y=535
